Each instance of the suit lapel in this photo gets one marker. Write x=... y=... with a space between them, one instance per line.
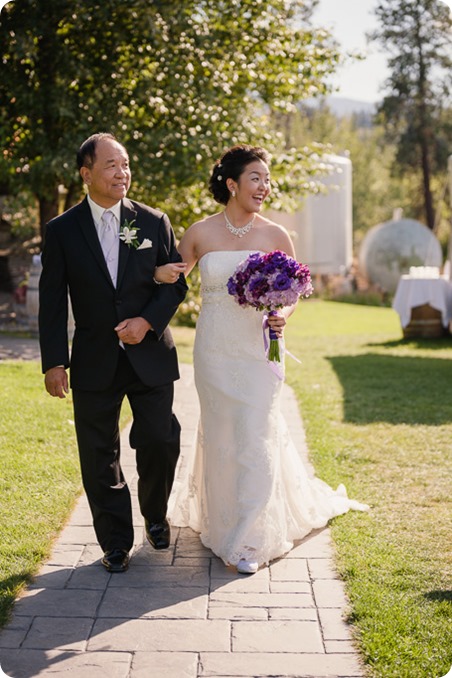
x=129 y=213
x=86 y=223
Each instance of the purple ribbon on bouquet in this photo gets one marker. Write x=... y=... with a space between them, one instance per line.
x=274 y=366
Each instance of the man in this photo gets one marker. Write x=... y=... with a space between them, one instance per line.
x=105 y=251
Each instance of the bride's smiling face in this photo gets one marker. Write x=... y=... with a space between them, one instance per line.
x=253 y=186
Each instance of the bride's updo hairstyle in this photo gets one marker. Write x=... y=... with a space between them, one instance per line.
x=231 y=166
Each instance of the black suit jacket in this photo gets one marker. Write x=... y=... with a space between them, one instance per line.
x=72 y=260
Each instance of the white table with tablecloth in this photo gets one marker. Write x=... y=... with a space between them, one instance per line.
x=414 y=291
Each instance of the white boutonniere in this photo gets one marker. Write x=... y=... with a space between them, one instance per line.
x=128 y=234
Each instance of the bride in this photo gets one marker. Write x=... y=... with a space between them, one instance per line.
x=245 y=490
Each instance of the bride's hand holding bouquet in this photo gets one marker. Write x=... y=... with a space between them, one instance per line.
x=268 y=282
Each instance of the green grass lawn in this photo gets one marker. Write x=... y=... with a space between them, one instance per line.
x=378 y=417
x=39 y=474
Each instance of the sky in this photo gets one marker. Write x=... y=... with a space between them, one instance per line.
x=349 y=20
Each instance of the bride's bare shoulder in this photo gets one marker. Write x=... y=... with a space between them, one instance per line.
x=203 y=225
x=277 y=235
x=203 y=230
x=271 y=224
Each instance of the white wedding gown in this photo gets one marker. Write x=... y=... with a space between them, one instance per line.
x=245 y=489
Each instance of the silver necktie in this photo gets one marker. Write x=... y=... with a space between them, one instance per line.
x=109 y=241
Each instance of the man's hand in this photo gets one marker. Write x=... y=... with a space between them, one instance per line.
x=133 y=330
x=56 y=382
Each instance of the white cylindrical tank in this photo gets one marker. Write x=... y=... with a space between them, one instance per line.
x=323 y=228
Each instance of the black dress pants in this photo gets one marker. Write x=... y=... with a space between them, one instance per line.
x=155 y=436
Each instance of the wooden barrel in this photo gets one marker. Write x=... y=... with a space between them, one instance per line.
x=32 y=300
x=425 y=323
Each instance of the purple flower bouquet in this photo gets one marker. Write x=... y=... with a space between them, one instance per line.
x=267 y=282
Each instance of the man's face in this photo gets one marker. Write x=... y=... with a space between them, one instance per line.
x=108 y=180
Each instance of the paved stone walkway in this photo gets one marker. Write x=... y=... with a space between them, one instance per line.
x=13 y=348
x=180 y=613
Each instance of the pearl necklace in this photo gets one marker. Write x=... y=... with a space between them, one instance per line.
x=242 y=230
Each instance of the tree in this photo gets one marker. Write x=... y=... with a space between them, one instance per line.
x=57 y=83
x=417 y=35
x=177 y=82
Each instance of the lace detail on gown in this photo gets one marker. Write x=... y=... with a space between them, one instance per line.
x=245 y=488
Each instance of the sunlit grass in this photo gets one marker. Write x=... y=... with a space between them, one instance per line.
x=39 y=477
x=378 y=417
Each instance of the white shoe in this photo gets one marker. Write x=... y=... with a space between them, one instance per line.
x=247 y=566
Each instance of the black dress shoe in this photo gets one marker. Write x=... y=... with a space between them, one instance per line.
x=116 y=560
x=158 y=534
